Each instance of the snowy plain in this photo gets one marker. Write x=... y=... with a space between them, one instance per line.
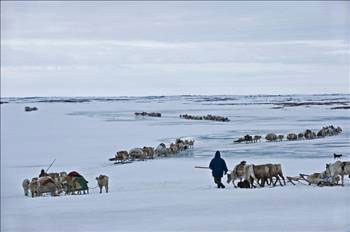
x=169 y=194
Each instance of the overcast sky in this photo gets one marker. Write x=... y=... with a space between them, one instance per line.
x=170 y=48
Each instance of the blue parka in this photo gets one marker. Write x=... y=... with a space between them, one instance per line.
x=218 y=165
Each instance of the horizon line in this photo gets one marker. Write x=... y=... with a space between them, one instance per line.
x=172 y=95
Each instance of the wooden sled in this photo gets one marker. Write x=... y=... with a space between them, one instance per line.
x=318 y=181
x=293 y=178
x=123 y=162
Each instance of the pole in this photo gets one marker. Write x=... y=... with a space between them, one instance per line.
x=201 y=167
x=50 y=165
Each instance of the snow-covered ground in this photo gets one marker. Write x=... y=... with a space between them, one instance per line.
x=169 y=194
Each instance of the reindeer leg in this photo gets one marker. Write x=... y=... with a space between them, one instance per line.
x=251 y=180
x=234 y=184
x=262 y=184
x=284 y=181
x=259 y=183
x=273 y=183
x=267 y=181
x=279 y=181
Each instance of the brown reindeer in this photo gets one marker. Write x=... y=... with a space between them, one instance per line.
x=102 y=181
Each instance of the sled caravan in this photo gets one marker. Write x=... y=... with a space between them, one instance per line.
x=57 y=183
x=141 y=154
x=152 y=114
x=250 y=174
x=205 y=117
x=307 y=134
x=187 y=116
x=333 y=174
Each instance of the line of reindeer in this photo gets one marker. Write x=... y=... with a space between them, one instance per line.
x=152 y=114
x=188 y=116
x=307 y=134
x=141 y=154
x=248 y=174
x=205 y=117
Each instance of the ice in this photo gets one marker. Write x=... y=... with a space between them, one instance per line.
x=169 y=194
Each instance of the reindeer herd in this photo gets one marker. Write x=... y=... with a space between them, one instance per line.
x=187 y=116
x=259 y=174
x=248 y=174
x=74 y=183
x=152 y=114
x=307 y=134
x=205 y=117
x=141 y=154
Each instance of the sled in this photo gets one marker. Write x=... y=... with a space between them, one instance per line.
x=123 y=162
x=319 y=181
x=77 y=185
x=293 y=178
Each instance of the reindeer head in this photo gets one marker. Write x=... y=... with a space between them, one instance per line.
x=329 y=170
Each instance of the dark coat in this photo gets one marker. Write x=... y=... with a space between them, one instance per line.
x=218 y=166
x=43 y=173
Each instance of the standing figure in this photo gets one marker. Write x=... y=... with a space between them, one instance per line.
x=43 y=173
x=218 y=167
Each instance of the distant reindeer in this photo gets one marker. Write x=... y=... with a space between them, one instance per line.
x=280 y=137
x=256 y=138
x=102 y=181
x=337 y=155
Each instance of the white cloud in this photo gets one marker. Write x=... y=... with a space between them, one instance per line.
x=176 y=44
x=22 y=43
x=340 y=52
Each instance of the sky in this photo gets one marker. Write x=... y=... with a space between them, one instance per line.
x=170 y=48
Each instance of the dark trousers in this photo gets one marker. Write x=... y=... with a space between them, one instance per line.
x=217 y=181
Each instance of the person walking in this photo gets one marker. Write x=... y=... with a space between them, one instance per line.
x=218 y=167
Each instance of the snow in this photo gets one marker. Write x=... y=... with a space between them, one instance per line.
x=169 y=194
